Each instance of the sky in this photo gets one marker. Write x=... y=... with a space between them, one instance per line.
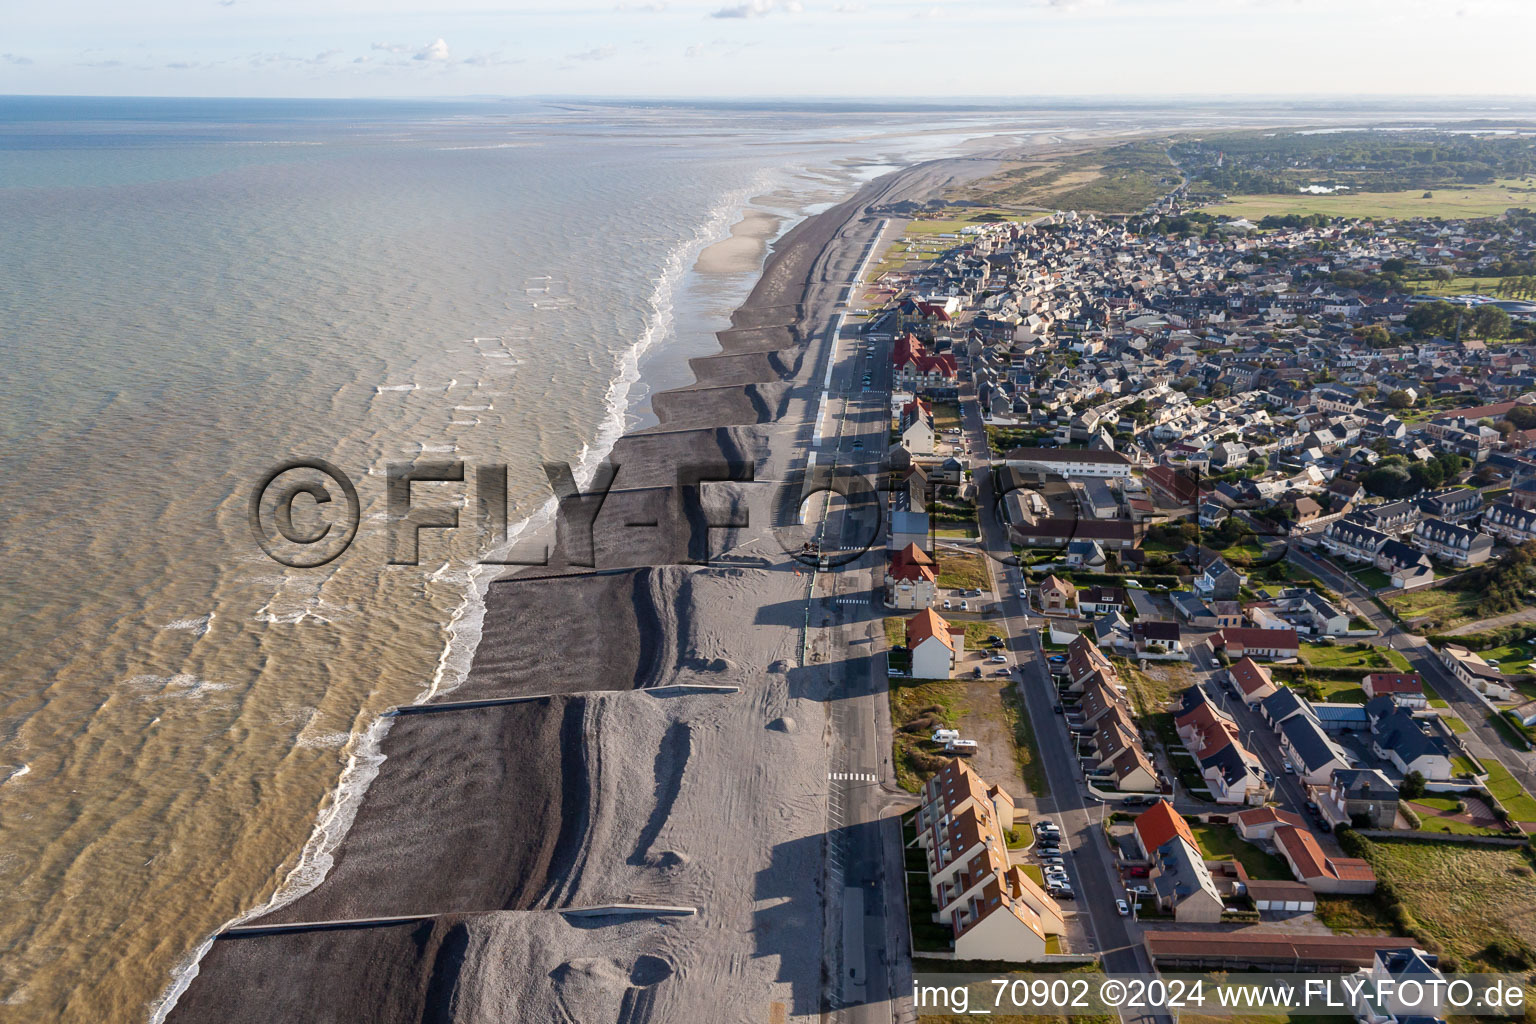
x=720 y=49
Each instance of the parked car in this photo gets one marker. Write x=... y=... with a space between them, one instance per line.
x=945 y=735
x=1140 y=890
x=1123 y=908
x=1061 y=892
x=1060 y=710
x=998 y=659
x=994 y=638
x=1290 y=769
x=961 y=748
x=1138 y=871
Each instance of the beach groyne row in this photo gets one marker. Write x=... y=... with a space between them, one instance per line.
x=637 y=731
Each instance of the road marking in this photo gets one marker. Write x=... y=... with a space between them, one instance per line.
x=852 y=777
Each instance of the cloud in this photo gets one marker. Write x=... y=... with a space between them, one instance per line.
x=226 y=3
x=100 y=64
x=627 y=8
x=392 y=47
x=596 y=53
x=758 y=8
x=437 y=50
x=13 y=58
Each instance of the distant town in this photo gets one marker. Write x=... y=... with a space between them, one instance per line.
x=1211 y=543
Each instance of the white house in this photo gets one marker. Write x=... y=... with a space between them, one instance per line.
x=936 y=646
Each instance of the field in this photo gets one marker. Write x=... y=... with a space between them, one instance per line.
x=922 y=705
x=1440 y=606
x=1463 y=896
x=1456 y=201
x=1116 y=179
x=962 y=570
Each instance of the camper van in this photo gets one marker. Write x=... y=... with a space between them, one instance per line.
x=945 y=735
x=961 y=748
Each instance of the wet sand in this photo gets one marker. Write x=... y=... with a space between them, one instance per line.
x=679 y=757
x=742 y=252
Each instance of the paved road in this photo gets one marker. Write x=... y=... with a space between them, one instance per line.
x=1090 y=867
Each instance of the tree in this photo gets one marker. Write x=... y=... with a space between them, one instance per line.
x=1412 y=787
x=1375 y=336
x=1490 y=322
x=1399 y=400
x=1393 y=266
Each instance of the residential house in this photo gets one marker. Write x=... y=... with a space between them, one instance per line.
x=1183 y=884
x=1057 y=596
x=1253 y=681
x=1307 y=745
x=1259 y=823
x=1319 y=871
x=1157 y=825
x=1157 y=637
x=936 y=646
x=1260 y=643
x=1101 y=600
x=1352 y=540
x=910 y=579
x=1448 y=542
x=1513 y=524
x=1405 y=688
x=1358 y=797
x=915 y=427
x=1407 y=743
x=1071 y=463
x=1476 y=673
x=1219 y=581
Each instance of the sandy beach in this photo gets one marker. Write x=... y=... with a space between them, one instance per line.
x=637 y=729
x=742 y=252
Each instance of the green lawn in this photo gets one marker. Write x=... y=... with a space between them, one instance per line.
x=896 y=631
x=1455 y=724
x=1508 y=791
x=1469 y=201
x=1221 y=842
x=951 y=531
x=1373 y=577
x=1339 y=691
x=1352 y=655
x=962 y=570
x=1435 y=700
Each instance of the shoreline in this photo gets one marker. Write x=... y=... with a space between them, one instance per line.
x=762 y=360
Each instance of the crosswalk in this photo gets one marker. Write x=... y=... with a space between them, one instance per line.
x=851 y=600
x=852 y=777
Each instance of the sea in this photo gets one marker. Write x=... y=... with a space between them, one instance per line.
x=194 y=293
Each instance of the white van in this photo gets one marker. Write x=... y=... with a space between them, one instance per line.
x=945 y=735
x=962 y=748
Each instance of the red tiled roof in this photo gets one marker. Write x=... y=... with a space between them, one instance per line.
x=927 y=623
x=1278 y=639
x=1160 y=824
x=1250 y=676
x=1396 y=682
